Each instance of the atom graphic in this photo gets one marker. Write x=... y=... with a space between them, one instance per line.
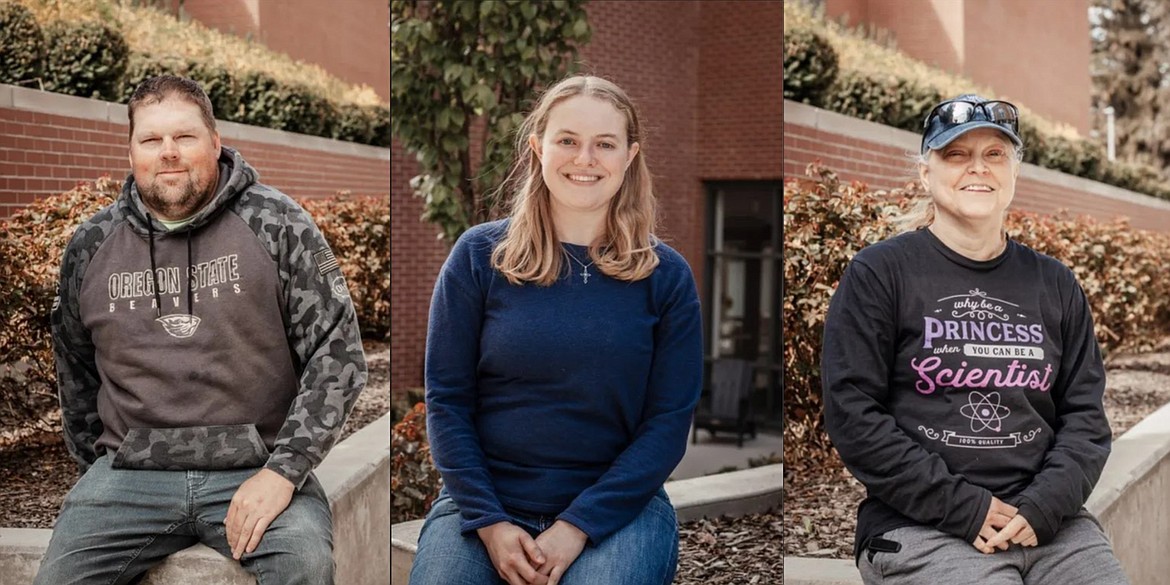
x=985 y=412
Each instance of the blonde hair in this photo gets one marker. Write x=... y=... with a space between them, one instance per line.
x=530 y=250
x=921 y=211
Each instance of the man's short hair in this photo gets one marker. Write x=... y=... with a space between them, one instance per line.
x=157 y=89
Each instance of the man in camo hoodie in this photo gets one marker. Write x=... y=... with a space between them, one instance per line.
x=207 y=356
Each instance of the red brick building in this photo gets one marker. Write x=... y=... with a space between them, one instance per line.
x=348 y=38
x=1022 y=50
x=706 y=76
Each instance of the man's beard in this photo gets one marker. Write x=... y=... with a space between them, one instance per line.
x=190 y=199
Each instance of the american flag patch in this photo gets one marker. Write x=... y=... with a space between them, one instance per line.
x=325 y=260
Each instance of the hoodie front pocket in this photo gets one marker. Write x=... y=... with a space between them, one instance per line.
x=187 y=448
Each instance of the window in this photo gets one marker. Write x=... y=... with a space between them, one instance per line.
x=742 y=284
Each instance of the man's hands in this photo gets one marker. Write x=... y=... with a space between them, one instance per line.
x=521 y=560
x=256 y=504
x=562 y=543
x=1003 y=524
x=514 y=553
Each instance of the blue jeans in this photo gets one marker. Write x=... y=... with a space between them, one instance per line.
x=645 y=551
x=117 y=523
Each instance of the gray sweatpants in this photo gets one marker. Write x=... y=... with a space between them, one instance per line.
x=1079 y=555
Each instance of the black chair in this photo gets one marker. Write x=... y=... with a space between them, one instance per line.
x=729 y=408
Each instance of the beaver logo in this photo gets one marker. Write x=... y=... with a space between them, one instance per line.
x=181 y=326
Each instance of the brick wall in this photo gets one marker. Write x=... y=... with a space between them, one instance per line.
x=42 y=154
x=415 y=258
x=706 y=79
x=1021 y=50
x=50 y=142
x=741 y=102
x=880 y=156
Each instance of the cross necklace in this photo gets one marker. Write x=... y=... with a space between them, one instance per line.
x=584 y=267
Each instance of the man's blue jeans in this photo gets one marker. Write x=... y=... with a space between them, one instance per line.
x=645 y=551
x=117 y=523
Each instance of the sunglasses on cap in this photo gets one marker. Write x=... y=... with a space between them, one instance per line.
x=958 y=112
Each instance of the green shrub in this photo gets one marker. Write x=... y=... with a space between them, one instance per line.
x=356 y=124
x=810 y=66
x=222 y=88
x=22 y=44
x=883 y=99
x=414 y=481
x=247 y=83
x=85 y=59
x=826 y=223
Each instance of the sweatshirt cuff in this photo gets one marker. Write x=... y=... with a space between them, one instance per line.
x=975 y=523
x=595 y=535
x=1041 y=524
x=470 y=526
x=290 y=465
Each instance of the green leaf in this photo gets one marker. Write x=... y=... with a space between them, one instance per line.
x=452 y=72
x=580 y=28
x=498 y=52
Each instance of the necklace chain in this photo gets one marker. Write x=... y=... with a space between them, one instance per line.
x=584 y=267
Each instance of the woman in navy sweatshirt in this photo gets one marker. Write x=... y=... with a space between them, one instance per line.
x=963 y=382
x=564 y=359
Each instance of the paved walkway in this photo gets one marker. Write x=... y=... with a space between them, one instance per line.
x=709 y=456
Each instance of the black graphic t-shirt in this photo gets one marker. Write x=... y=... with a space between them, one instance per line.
x=948 y=381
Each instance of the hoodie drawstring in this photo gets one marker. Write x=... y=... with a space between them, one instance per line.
x=154 y=271
x=190 y=285
x=153 y=267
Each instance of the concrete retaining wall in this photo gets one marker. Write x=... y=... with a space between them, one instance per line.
x=356 y=475
x=1130 y=500
x=726 y=494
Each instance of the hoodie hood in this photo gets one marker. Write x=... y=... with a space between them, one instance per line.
x=235 y=177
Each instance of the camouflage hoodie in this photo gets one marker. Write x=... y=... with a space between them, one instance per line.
x=251 y=358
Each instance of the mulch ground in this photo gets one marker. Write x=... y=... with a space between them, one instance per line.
x=821 y=497
x=739 y=551
x=36 y=472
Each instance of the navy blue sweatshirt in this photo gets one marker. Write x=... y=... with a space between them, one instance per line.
x=949 y=380
x=571 y=400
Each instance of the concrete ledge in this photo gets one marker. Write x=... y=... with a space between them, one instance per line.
x=737 y=493
x=806 y=571
x=1129 y=500
x=355 y=475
